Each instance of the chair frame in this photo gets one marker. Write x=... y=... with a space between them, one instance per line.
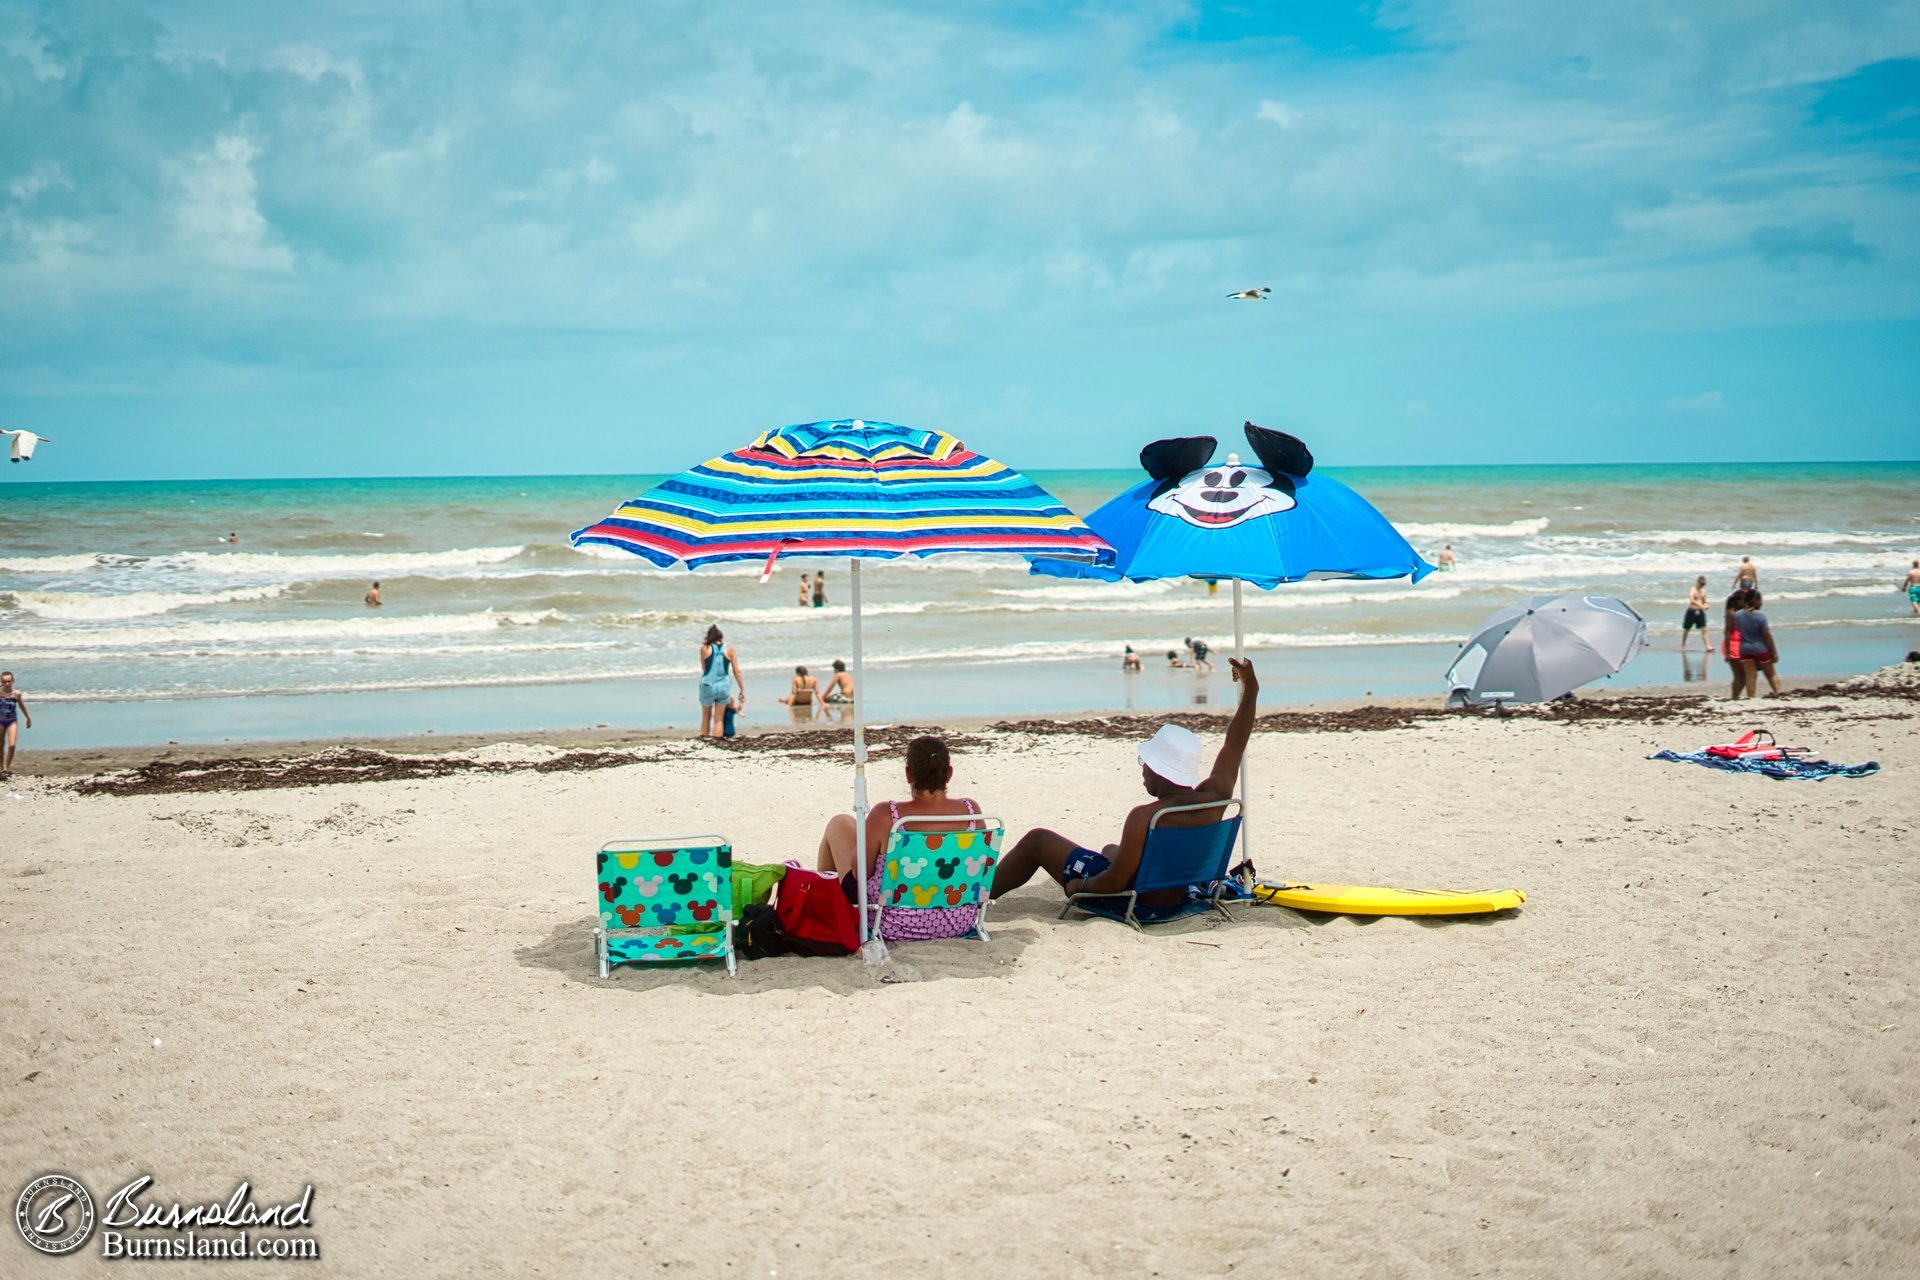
x=602 y=934
x=984 y=823
x=1153 y=824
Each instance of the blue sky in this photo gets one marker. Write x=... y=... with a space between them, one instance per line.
x=246 y=238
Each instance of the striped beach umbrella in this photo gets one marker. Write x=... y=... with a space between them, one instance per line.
x=853 y=490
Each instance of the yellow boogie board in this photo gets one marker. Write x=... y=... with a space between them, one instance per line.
x=1364 y=900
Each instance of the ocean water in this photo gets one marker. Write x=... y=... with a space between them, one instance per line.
x=129 y=617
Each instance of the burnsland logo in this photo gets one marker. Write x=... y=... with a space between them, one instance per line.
x=56 y=1215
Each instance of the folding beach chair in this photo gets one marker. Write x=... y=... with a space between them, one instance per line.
x=1174 y=858
x=654 y=892
x=934 y=870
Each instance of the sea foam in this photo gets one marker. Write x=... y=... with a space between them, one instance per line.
x=74 y=606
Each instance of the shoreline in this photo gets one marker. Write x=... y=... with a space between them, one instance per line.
x=598 y=712
x=272 y=764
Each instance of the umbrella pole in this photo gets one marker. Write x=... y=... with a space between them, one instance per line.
x=859 y=760
x=1240 y=652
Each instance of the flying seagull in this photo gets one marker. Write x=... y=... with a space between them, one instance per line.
x=24 y=443
x=1251 y=295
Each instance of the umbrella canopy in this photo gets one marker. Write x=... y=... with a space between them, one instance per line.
x=845 y=488
x=851 y=489
x=1264 y=524
x=1543 y=647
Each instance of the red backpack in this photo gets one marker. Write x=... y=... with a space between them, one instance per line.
x=815 y=914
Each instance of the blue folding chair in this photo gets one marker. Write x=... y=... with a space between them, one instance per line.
x=1194 y=858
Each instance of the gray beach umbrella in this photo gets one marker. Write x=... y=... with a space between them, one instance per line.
x=1539 y=649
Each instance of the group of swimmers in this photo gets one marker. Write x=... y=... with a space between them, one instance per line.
x=806 y=693
x=1195 y=659
x=1172 y=771
x=723 y=687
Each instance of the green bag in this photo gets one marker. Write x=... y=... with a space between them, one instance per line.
x=753 y=884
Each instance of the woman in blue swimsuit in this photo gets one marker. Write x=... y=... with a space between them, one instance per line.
x=719 y=671
x=13 y=709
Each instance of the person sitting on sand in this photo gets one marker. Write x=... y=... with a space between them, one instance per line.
x=13 y=708
x=929 y=772
x=1170 y=771
x=840 y=688
x=805 y=689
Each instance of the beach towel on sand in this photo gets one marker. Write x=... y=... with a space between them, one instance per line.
x=1816 y=770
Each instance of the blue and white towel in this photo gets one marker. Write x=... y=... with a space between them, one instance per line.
x=1817 y=770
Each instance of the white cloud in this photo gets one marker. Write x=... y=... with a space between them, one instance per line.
x=218 y=217
x=1278 y=113
x=1705 y=402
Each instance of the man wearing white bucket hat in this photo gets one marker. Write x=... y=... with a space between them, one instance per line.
x=1170 y=770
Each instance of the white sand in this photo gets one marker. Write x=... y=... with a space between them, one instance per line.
x=1692 y=1053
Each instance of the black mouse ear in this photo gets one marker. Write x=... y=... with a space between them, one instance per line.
x=1170 y=459
x=1279 y=452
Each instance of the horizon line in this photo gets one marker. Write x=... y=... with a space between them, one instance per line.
x=575 y=475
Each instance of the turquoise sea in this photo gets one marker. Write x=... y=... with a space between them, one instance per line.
x=129 y=617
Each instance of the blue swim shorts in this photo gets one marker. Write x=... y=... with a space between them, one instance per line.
x=1082 y=863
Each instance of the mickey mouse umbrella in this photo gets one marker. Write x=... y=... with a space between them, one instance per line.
x=1266 y=524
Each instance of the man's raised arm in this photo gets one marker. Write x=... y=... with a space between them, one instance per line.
x=1226 y=766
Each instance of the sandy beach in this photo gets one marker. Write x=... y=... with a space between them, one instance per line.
x=1691 y=1053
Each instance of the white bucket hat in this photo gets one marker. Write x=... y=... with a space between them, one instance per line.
x=1174 y=754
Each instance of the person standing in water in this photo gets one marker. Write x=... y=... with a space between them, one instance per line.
x=1696 y=616
x=819 y=589
x=1445 y=559
x=719 y=674
x=1913 y=586
x=13 y=709
x=1746 y=575
x=806 y=591
x=373 y=596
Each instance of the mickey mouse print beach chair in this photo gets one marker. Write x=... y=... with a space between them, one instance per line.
x=1192 y=858
x=935 y=884
x=664 y=899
